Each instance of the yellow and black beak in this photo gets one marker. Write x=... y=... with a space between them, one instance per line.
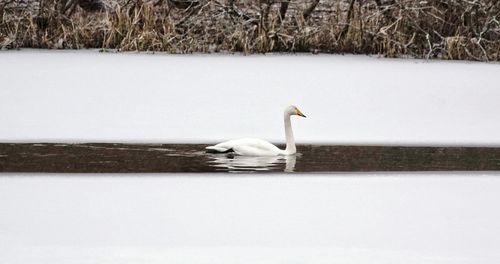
x=299 y=113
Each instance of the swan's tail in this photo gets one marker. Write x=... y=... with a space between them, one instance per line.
x=216 y=149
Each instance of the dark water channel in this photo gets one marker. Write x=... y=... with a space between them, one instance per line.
x=92 y=158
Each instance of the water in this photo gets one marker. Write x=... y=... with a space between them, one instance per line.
x=130 y=158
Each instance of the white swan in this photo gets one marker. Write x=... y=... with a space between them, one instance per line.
x=259 y=147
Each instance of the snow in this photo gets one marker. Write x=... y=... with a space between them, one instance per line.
x=340 y=218
x=75 y=96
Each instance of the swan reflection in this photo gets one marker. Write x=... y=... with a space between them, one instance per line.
x=238 y=163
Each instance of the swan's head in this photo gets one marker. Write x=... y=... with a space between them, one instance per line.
x=293 y=110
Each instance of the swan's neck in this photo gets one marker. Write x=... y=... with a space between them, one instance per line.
x=290 y=141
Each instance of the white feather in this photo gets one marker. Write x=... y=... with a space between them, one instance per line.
x=248 y=147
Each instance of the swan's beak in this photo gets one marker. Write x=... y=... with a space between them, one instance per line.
x=300 y=113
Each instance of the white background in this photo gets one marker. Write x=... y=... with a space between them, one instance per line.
x=89 y=96
x=339 y=218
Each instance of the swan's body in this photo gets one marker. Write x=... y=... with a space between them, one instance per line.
x=248 y=147
x=259 y=147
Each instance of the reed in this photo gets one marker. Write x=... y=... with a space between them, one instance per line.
x=461 y=30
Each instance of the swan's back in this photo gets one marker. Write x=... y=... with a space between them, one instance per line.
x=247 y=146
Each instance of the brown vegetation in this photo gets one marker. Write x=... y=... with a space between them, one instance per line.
x=456 y=29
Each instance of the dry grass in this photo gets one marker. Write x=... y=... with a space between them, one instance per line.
x=465 y=30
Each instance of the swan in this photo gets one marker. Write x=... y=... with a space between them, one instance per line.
x=259 y=147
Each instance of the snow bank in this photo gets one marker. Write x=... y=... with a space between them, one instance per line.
x=90 y=96
x=344 y=218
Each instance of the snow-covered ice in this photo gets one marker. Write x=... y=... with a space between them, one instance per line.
x=344 y=218
x=91 y=96
x=69 y=96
